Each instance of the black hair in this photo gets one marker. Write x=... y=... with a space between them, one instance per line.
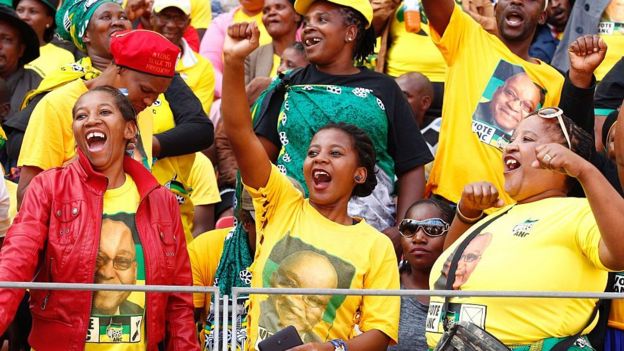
x=366 y=155
x=366 y=39
x=581 y=141
x=121 y=101
x=299 y=47
x=48 y=33
x=447 y=213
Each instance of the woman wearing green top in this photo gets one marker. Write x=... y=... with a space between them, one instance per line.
x=333 y=89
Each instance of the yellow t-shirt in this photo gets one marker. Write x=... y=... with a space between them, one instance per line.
x=611 y=29
x=201 y=14
x=203 y=181
x=51 y=58
x=485 y=73
x=174 y=172
x=413 y=52
x=276 y=63
x=299 y=248
x=240 y=16
x=549 y=245
x=49 y=139
x=117 y=318
x=198 y=74
x=205 y=253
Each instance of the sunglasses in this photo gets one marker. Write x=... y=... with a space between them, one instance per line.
x=432 y=227
x=555 y=112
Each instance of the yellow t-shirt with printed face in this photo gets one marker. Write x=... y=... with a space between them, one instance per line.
x=611 y=29
x=199 y=76
x=49 y=139
x=547 y=245
x=299 y=248
x=492 y=90
x=117 y=321
x=51 y=58
x=201 y=14
x=413 y=52
x=240 y=16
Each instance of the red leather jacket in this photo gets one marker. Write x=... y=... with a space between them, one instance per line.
x=55 y=238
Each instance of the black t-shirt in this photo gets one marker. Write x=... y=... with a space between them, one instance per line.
x=610 y=91
x=405 y=142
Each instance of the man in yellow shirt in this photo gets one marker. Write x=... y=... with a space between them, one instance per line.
x=478 y=99
x=171 y=19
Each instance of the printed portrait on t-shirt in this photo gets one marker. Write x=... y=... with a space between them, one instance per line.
x=467 y=263
x=295 y=264
x=612 y=21
x=509 y=96
x=117 y=316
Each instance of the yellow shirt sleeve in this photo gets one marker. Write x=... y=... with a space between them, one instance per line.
x=201 y=14
x=460 y=26
x=204 y=89
x=203 y=182
x=588 y=237
x=48 y=141
x=205 y=253
x=278 y=193
x=382 y=312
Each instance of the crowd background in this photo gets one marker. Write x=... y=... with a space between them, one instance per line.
x=484 y=127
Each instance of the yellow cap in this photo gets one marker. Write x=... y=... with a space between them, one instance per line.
x=183 y=5
x=362 y=6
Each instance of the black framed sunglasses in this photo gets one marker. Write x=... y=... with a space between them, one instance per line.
x=432 y=227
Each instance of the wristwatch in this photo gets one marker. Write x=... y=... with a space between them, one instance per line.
x=339 y=345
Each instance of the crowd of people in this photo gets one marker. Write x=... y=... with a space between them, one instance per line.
x=329 y=144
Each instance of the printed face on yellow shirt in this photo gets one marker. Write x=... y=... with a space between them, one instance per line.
x=615 y=11
x=303 y=269
x=470 y=258
x=115 y=264
x=514 y=100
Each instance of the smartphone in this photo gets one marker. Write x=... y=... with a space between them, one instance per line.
x=282 y=340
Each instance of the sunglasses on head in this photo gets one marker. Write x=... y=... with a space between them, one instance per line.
x=431 y=227
x=555 y=112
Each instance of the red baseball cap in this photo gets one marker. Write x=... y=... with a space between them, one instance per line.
x=144 y=51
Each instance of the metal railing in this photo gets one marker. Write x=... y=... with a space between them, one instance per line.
x=237 y=292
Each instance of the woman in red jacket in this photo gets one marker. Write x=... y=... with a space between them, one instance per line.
x=103 y=218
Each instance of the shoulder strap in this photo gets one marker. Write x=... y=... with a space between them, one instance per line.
x=565 y=344
x=450 y=278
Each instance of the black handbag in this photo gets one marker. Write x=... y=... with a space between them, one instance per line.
x=466 y=336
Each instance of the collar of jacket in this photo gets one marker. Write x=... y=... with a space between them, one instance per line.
x=97 y=182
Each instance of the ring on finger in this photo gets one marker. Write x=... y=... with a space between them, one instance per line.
x=547 y=158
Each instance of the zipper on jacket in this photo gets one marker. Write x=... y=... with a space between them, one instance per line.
x=44 y=303
x=145 y=265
